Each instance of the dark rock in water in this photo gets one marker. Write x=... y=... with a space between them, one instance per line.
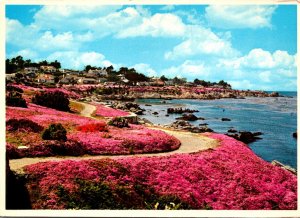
x=226 y=119
x=188 y=117
x=163 y=102
x=295 y=134
x=180 y=110
x=148 y=105
x=257 y=133
x=203 y=124
x=232 y=131
x=167 y=115
x=201 y=130
x=274 y=94
x=244 y=136
x=201 y=118
x=155 y=113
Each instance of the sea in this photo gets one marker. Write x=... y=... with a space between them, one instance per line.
x=275 y=117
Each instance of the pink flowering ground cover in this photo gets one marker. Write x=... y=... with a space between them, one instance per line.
x=133 y=140
x=229 y=177
x=104 y=139
x=104 y=111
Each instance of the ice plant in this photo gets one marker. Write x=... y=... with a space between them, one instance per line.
x=229 y=177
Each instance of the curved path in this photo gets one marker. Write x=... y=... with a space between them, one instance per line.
x=190 y=143
x=88 y=109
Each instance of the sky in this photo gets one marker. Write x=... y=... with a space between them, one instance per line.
x=250 y=46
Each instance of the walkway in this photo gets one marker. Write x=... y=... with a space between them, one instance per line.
x=190 y=143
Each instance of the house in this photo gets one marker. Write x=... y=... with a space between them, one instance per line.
x=97 y=73
x=48 y=69
x=45 y=78
x=68 y=80
x=28 y=70
x=102 y=80
x=84 y=80
x=169 y=82
x=10 y=77
x=156 y=82
x=30 y=75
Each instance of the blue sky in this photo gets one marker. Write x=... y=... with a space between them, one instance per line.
x=251 y=47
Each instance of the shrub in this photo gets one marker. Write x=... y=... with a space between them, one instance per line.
x=70 y=148
x=56 y=100
x=15 y=99
x=93 y=127
x=119 y=122
x=23 y=125
x=14 y=89
x=55 y=132
x=12 y=152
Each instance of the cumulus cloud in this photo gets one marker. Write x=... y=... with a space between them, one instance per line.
x=201 y=41
x=77 y=60
x=189 y=69
x=245 y=16
x=156 y=25
x=145 y=69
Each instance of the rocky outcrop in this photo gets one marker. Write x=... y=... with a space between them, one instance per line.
x=187 y=117
x=246 y=137
x=295 y=134
x=225 y=119
x=184 y=125
x=180 y=110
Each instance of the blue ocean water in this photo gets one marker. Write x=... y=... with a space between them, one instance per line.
x=275 y=117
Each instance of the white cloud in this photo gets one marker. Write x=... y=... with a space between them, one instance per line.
x=244 y=16
x=26 y=53
x=49 y=42
x=167 y=8
x=265 y=76
x=241 y=84
x=189 y=69
x=156 y=25
x=145 y=69
x=201 y=41
x=77 y=60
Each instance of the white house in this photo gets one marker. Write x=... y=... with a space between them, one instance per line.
x=48 y=69
x=31 y=70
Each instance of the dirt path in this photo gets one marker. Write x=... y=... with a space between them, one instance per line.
x=190 y=143
x=88 y=109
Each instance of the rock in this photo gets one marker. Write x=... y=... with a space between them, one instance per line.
x=232 y=131
x=139 y=112
x=148 y=105
x=201 y=118
x=155 y=113
x=257 y=133
x=188 y=117
x=295 y=134
x=203 y=124
x=244 y=136
x=167 y=115
x=274 y=94
x=226 y=119
x=180 y=110
x=201 y=130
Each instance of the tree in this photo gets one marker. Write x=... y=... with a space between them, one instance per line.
x=163 y=78
x=56 y=64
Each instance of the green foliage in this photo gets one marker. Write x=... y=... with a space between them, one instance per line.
x=56 y=100
x=23 y=124
x=15 y=99
x=55 y=132
x=90 y=195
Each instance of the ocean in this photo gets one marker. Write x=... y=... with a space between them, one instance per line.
x=275 y=117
